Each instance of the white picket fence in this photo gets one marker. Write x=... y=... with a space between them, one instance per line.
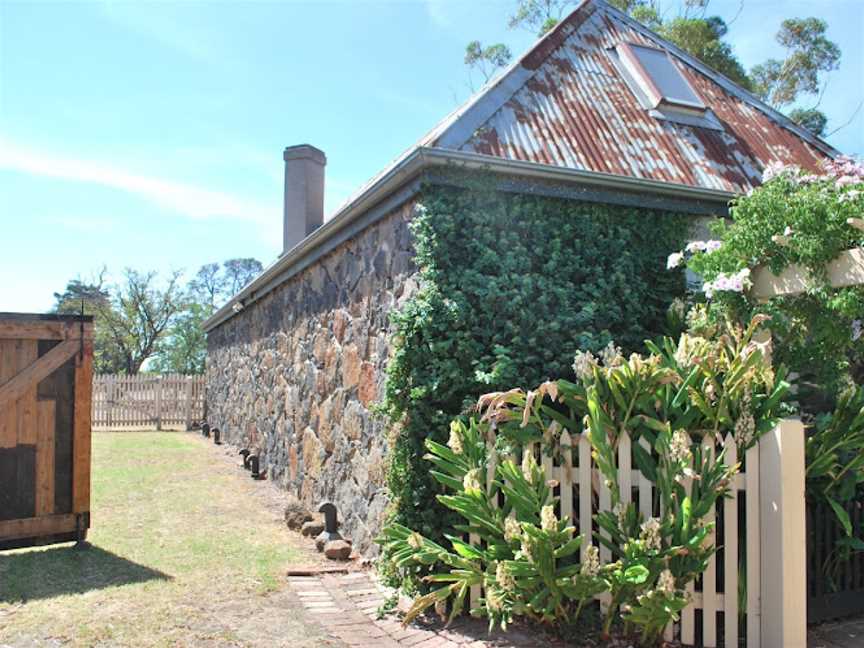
x=767 y=539
x=147 y=401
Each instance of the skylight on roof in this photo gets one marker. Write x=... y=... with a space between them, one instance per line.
x=658 y=76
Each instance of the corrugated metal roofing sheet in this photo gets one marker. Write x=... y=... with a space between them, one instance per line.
x=573 y=108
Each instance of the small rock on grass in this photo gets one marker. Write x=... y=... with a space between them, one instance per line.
x=337 y=550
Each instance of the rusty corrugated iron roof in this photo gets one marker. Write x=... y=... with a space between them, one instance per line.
x=566 y=103
x=565 y=113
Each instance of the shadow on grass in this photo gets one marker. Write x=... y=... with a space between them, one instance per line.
x=29 y=575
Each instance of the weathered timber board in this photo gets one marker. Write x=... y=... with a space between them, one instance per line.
x=59 y=387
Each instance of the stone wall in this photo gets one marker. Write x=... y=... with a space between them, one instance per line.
x=294 y=374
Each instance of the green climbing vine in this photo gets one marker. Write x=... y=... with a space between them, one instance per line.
x=512 y=286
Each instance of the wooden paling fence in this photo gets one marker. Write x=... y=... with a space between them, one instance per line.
x=756 y=579
x=145 y=401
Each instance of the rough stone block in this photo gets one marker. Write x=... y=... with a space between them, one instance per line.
x=296 y=515
x=337 y=550
x=312 y=528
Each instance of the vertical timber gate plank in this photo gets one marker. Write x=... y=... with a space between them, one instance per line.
x=8 y=414
x=81 y=430
x=27 y=352
x=45 y=457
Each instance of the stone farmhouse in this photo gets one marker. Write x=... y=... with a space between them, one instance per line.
x=600 y=110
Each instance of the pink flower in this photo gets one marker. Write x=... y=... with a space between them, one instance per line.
x=773 y=170
x=713 y=245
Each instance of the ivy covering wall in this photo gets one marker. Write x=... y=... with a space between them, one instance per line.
x=512 y=286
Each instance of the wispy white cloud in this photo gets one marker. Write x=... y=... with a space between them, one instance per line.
x=186 y=199
x=170 y=24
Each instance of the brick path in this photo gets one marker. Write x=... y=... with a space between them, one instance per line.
x=346 y=606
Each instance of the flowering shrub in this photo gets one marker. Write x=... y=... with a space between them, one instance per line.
x=680 y=399
x=802 y=218
x=806 y=219
x=527 y=560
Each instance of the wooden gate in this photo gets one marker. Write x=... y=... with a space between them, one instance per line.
x=45 y=380
x=147 y=401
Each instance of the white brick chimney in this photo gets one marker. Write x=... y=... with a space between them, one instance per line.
x=303 y=209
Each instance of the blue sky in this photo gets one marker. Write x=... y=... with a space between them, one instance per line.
x=150 y=135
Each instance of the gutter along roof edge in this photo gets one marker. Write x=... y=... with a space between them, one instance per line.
x=408 y=168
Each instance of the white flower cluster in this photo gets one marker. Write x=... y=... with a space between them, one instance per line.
x=745 y=430
x=512 y=530
x=745 y=426
x=611 y=355
x=651 y=534
x=591 y=561
x=674 y=260
x=694 y=247
x=548 y=521
x=415 y=540
x=529 y=465
x=703 y=246
x=666 y=583
x=494 y=600
x=504 y=578
x=455 y=440
x=678 y=308
x=679 y=447
x=525 y=549
x=620 y=512
x=583 y=365
x=736 y=282
x=471 y=481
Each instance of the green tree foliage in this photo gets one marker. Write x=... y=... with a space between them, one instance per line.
x=94 y=297
x=487 y=60
x=539 y=16
x=810 y=118
x=137 y=321
x=513 y=286
x=209 y=286
x=703 y=38
x=138 y=315
x=81 y=294
x=184 y=347
x=809 y=54
x=238 y=273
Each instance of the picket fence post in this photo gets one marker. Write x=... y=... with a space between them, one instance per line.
x=159 y=403
x=783 y=588
x=188 y=402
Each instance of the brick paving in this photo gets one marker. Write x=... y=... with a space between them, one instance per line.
x=347 y=605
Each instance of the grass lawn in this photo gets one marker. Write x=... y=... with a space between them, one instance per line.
x=185 y=552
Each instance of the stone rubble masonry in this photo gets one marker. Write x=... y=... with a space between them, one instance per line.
x=293 y=376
